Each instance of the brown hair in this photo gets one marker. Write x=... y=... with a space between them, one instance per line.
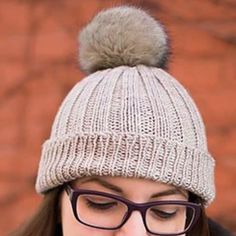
x=201 y=227
x=46 y=220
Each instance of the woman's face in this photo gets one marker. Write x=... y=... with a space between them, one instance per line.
x=136 y=190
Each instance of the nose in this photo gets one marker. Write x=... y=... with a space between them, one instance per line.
x=133 y=227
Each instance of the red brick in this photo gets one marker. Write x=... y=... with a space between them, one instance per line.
x=52 y=46
x=11 y=116
x=12 y=75
x=14 y=48
x=44 y=97
x=206 y=44
x=228 y=71
x=197 y=11
x=217 y=107
x=14 y=18
x=225 y=137
x=191 y=72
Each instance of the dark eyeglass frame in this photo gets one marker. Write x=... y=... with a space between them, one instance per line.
x=131 y=206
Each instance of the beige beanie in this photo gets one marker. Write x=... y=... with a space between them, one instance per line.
x=129 y=117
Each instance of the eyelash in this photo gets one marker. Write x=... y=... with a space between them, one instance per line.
x=100 y=206
x=164 y=215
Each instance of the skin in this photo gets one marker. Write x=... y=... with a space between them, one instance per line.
x=126 y=187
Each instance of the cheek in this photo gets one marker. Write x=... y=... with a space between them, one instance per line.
x=71 y=227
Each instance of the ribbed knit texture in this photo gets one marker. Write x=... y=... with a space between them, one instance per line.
x=131 y=122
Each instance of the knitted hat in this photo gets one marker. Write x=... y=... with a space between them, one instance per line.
x=128 y=117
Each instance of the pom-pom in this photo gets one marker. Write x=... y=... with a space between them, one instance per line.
x=122 y=36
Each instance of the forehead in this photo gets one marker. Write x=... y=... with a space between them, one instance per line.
x=123 y=181
x=129 y=186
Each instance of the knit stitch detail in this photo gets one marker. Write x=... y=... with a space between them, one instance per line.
x=127 y=155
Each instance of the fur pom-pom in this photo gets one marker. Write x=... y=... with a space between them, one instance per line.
x=122 y=35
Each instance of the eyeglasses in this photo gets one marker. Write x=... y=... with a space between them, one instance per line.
x=110 y=212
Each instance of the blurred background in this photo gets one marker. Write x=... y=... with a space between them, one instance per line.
x=38 y=66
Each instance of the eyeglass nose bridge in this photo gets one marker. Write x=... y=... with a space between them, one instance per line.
x=141 y=208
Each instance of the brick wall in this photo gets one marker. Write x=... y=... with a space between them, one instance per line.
x=38 y=66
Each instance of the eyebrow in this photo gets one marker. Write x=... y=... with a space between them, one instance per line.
x=104 y=184
x=172 y=191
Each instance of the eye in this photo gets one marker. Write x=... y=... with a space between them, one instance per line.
x=100 y=205
x=161 y=214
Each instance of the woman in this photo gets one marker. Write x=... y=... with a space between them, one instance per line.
x=127 y=153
